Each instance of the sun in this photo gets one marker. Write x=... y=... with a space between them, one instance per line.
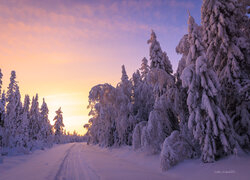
x=74 y=111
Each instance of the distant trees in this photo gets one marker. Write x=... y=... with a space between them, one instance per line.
x=25 y=127
x=200 y=111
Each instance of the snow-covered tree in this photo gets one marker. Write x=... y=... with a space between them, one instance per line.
x=223 y=39
x=207 y=120
x=58 y=126
x=2 y=118
x=142 y=102
x=158 y=58
x=162 y=119
x=182 y=48
x=46 y=128
x=144 y=69
x=34 y=124
x=226 y=38
x=1 y=82
x=137 y=134
x=124 y=119
x=245 y=20
x=26 y=122
x=181 y=93
x=175 y=149
x=19 y=131
x=160 y=68
x=11 y=115
x=102 y=124
x=181 y=97
x=2 y=112
x=142 y=98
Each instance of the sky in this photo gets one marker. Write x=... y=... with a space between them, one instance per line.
x=60 y=49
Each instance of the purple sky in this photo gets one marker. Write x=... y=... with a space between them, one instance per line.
x=61 y=48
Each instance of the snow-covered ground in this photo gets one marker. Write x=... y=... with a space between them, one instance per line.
x=79 y=161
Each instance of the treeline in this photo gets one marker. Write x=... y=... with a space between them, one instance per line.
x=201 y=111
x=26 y=126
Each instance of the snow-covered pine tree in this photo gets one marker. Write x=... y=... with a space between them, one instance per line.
x=158 y=58
x=181 y=99
x=2 y=118
x=34 y=124
x=142 y=98
x=144 y=69
x=19 y=131
x=207 y=120
x=245 y=21
x=25 y=122
x=58 y=126
x=102 y=125
x=1 y=82
x=162 y=119
x=226 y=38
x=11 y=115
x=2 y=114
x=46 y=128
x=181 y=93
x=144 y=92
x=182 y=48
x=136 y=87
x=180 y=144
x=142 y=103
x=124 y=119
x=160 y=68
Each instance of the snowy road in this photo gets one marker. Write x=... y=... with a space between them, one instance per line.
x=78 y=161
x=75 y=161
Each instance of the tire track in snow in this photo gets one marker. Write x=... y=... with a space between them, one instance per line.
x=73 y=167
x=61 y=166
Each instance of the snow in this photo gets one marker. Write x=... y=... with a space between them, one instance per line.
x=82 y=161
x=39 y=165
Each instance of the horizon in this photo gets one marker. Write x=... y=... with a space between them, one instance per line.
x=62 y=49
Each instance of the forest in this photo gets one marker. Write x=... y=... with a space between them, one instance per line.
x=25 y=127
x=199 y=111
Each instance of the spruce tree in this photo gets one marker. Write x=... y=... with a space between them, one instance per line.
x=2 y=119
x=144 y=69
x=2 y=113
x=34 y=123
x=142 y=103
x=58 y=126
x=1 y=82
x=19 y=131
x=11 y=115
x=228 y=52
x=46 y=128
x=124 y=119
x=26 y=122
x=162 y=119
x=210 y=126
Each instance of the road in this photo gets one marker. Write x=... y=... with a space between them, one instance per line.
x=75 y=161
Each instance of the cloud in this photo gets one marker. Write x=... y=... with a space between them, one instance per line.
x=86 y=20
x=180 y=4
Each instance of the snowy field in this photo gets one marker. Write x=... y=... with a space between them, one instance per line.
x=79 y=161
